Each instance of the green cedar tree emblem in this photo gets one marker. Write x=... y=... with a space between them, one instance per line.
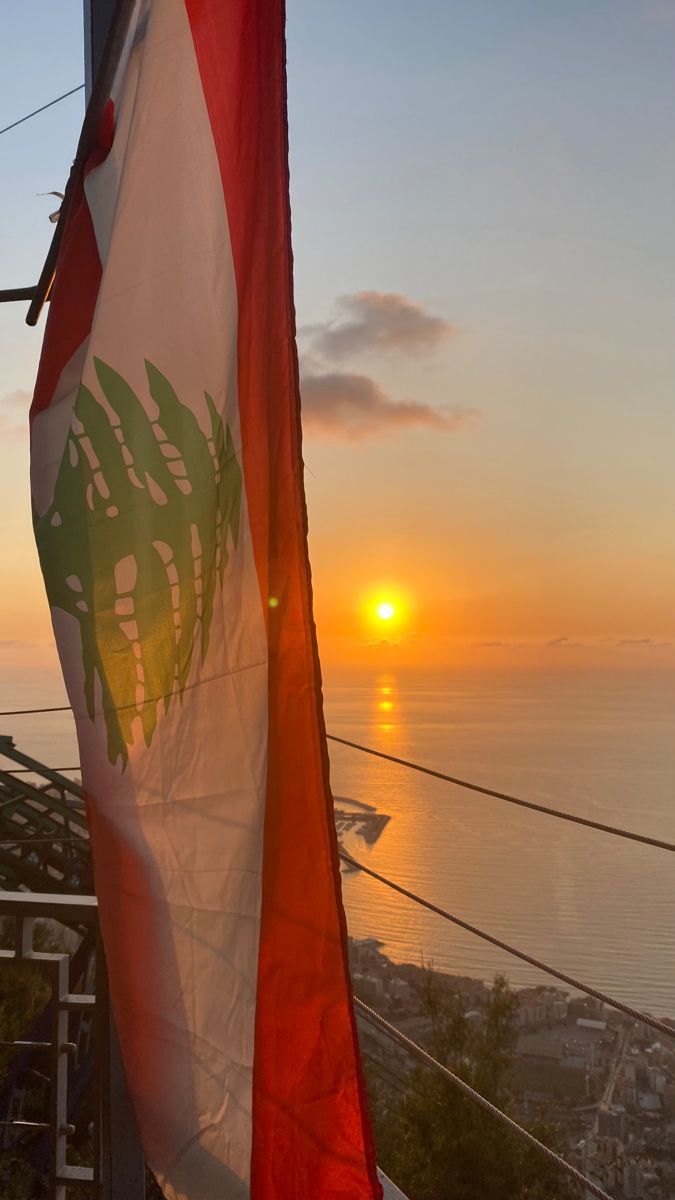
x=135 y=543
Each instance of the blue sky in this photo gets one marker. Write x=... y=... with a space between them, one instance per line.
x=510 y=167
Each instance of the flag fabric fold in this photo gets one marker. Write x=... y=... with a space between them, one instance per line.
x=168 y=505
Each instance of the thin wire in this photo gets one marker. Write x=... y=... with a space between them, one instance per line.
x=603 y=997
x=484 y=791
x=581 y=1180
x=27 y=712
x=636 y=1014
x=464 y=783
x=385 y=1072
x=42 y=109
x=35 y=771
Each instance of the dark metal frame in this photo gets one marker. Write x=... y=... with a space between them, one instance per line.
x=12 y=295
x=119 y=1170
x=98 y=17
x=106 y=25
x=88 y=138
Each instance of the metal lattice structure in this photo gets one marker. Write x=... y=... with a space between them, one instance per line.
x=44 y=840
x=74 y=1045
x=45 y=872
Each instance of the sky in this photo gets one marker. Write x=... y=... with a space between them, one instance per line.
x=485 y=293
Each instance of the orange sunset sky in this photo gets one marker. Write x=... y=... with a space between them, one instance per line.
x=485 y=287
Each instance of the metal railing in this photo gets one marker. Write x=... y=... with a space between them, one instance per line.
x=78 y=1027
x=76 y=1032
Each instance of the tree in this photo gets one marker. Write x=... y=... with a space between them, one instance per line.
x=437 y=1143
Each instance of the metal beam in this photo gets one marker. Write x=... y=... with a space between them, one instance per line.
x=98 y=19
x=66 y=909
x=120 y=1154
x=9 y=750
x=9 y=295
x=114 y=44
x=98 y=16
x=119 y=1164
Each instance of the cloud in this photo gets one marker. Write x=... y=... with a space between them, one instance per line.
x=14 y=645
x=339 y=404
x=553 y=643
x=497 y=645
x=642 y=642
x=377 y=321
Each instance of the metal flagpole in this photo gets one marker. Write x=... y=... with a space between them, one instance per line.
x=122 y=12
x=98 y=17
x=105 y=24
x=120 y=1155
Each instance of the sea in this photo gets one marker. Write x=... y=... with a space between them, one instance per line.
x=598 y=744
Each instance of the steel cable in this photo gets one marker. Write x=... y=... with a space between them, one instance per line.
x=659 y=843
x=27 y=712
x=484 y=791
x=581 y=1180
x=635 y=1013
x=35 y=111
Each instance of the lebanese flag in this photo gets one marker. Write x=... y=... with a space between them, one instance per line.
x=170 y=521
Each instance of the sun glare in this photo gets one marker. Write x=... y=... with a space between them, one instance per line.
x=385 y=611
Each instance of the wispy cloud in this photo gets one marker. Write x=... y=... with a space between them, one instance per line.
x=339 y=404
x=645 y=641
x=368 y=322
x=552 y=644
x=505 y=645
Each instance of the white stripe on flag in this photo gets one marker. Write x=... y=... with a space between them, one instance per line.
x=190 y=807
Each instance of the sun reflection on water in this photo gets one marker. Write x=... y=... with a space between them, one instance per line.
x=386 y=706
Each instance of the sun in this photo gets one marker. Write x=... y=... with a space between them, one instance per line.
x=386 y=610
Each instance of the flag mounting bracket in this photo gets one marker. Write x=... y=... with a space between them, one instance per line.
x=8 y=295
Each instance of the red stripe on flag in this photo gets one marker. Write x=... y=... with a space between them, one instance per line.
x=77 y=282
x=73 y=299
x=311 y=1131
